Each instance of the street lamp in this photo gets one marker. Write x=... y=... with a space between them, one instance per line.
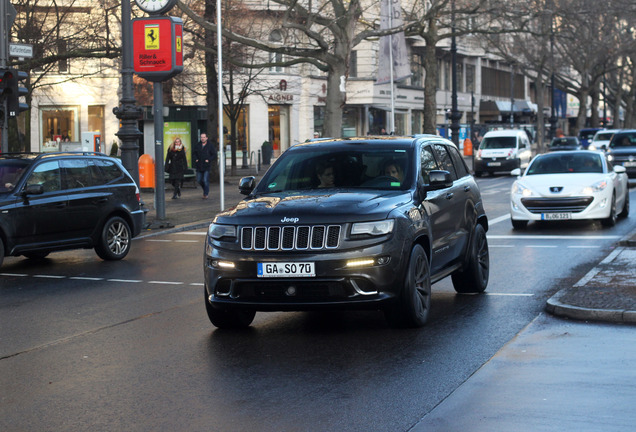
x=455 y=114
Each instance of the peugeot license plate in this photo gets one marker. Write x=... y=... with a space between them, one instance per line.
x=556 y=216
x=286 y=269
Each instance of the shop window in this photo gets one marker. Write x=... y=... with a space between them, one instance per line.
x=96 y=118
x=57 y=125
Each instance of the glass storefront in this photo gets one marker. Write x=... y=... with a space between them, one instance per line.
x=57 y=125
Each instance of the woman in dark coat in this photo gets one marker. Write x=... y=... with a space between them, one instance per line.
x=176 y=165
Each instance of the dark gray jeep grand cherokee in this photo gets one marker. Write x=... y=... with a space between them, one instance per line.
x=366 y=222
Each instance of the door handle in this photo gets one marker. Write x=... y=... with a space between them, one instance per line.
x=449 y=195
x=466 y=188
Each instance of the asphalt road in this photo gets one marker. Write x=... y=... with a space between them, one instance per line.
x=91 y=345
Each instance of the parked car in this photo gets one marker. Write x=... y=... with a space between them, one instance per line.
x=564 y=143
x=366 y=222
x=569 y=185
x=502 y=150
x=622 y=151
x=602 y=139
x=586 y=135
x=57 y=201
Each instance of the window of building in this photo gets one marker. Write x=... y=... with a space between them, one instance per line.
x=470 y=78
x=96 y=118
x=62 y=64
x=58 y=124
x=353 y=64
x=460 y=76
x=447 y=74
x=416 y=121
x=277 y=37
x=417 y=70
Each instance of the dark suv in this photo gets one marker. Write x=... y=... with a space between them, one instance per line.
x=349 y=223
x=57 y=201
x=622 y=151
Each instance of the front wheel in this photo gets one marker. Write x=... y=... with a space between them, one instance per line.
x=228 y=319
x=473 y=278
x=413 y=305
x=625 y=212
x=610 y=221
x=115 y=240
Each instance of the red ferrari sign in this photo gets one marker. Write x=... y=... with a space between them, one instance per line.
x=157 y=47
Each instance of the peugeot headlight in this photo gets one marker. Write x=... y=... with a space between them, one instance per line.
x=519 y=189
x=218 y=232
x=373 y=228
x=596 y=187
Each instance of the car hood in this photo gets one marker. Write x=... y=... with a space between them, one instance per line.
x=314 y=207
x=559 y=185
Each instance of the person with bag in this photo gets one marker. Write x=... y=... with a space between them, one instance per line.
x=204 y=156
x=176 y=165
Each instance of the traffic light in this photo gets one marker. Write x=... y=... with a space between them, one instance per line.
x=14 y=106
x=6 y=76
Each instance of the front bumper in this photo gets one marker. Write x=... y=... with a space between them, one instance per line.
x=495 y=164
x=577 y=208
x=335 y=286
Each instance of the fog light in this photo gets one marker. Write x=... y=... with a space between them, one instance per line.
x=222 y=264
x=603 y=203
x=384 y=260
x=362 y=262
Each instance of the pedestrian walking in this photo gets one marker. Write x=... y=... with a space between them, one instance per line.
x=204 y=156
x=176 y=165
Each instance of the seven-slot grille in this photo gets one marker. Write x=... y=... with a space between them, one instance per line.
x=290 y=237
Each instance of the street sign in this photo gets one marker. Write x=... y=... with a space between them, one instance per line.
x=157 y=47
x=20 y=50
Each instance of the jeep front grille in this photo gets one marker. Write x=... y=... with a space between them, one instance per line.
x=290 y=237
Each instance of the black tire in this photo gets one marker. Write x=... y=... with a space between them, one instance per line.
x=228 y=319
x=473 y=278
x=1 y=251
x=519 y=224
x=115 y=240
x=610 y=221
x=412 y=307
x=625 y=212
x=36 y=255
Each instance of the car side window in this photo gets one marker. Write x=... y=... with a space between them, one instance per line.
x=445 y=161
x=458 y=161
x=428 y=163
x=77 y=173
x=110 y=170
x=48 y=175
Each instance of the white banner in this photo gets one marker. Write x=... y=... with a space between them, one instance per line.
x=390 y=17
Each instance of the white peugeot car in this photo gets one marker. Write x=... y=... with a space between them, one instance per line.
x=565 y=185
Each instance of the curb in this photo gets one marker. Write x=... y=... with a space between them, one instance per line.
x=556 y=307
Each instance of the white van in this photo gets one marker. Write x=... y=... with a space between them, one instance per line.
x=503 y=150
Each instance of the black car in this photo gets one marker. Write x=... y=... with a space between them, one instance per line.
x=622 y=151
x=564 y=143
x=349 y=223
x=58 y=201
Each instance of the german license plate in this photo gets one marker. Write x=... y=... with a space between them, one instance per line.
x=556 y=216
x=286 y=269
x=629 y=164
x=494 y=163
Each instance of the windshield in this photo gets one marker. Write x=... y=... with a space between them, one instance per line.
x=300 y=169
x=566 y=163
x=624 y=140
x=10 y=172
x=587 y=135
x=504 y=142
x=558 y=142
x=603 y=136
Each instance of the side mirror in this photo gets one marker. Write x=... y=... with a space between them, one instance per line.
x=516 y=172
x=439 y=179
x=34 y=189
x=619 y=169
x=247 y=185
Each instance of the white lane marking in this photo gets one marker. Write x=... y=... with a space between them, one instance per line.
x=197 y=284
x=551 y=237
x=86 y=278
x=186 y=241
x=499 y=219
x=510 y=294
x=49 y=276
x=159 y=241
x=165 y=282
x=583 y=247
x=124 y=280
x=14 y=274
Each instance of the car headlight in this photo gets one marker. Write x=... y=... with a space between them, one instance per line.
x=217 y=231
x=373 y=228
x=519 y=189
x=596 y=187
